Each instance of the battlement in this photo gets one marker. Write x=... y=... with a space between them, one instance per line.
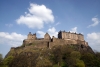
x=63 y=38
x=61 y=35
x=31 y=36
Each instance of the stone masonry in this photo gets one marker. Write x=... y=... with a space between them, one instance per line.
x=64 y=38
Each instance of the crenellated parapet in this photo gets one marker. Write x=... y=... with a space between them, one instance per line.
x=31 y=36
x=61 y=35
x=80 y=37
x=63 y=38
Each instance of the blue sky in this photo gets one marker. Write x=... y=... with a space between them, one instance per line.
x=19 y=17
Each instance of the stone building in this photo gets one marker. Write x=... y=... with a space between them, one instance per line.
x=70 y=36
x=47 y=36
x=31 y=36
x=47 y=41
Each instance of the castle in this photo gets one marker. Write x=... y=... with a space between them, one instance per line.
x=48 y=42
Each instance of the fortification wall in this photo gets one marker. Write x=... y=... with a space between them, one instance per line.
x=57 y=41
x=41 y=44
x=28 y=41
x=70 y=36
x=81 y=37
x=63 y=38
x=54 y=42
x=37 y=43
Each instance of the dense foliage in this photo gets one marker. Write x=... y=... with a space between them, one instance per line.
x=1 y=58
x=58 y=56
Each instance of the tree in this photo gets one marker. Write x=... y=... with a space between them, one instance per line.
x=79 y=63
x=8 y=60
x=1 y=61
x=75 y=54
x=90 y=60
x=1 y=58
x=74 y=60
x=43 y=62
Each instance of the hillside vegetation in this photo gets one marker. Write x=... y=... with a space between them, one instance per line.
x=58 y=56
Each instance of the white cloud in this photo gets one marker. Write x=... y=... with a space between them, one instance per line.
x=52 y=32
x=94 y=40
x=36 y=18
x=74 y=30
x=96 y=22
x=9 y=25
x=41 y=33
x=12 y=39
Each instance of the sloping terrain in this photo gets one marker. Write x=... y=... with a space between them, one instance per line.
x=72 y=55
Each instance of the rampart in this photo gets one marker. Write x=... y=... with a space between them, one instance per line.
x=70 y=36
x=48 y=42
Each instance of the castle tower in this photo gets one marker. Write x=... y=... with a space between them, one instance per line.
x=47 y=36
x=61 y=34
x=34 y=36
x=31 y=36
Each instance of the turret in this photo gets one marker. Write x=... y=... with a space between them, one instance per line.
x=34 y=36
x=60 y=34
x=47 y=36
x=29 y=35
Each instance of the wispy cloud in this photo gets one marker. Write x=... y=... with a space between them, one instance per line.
x=12 y=39
x=41 y=33
x=9 y=25
x=57 y=23
x=94 y=40
x=96 y=22
x=52 y=32
x=74 y=30
x=36 y=18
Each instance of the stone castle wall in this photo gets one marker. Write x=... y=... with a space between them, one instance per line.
x=70 y=36
x=47 y=41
